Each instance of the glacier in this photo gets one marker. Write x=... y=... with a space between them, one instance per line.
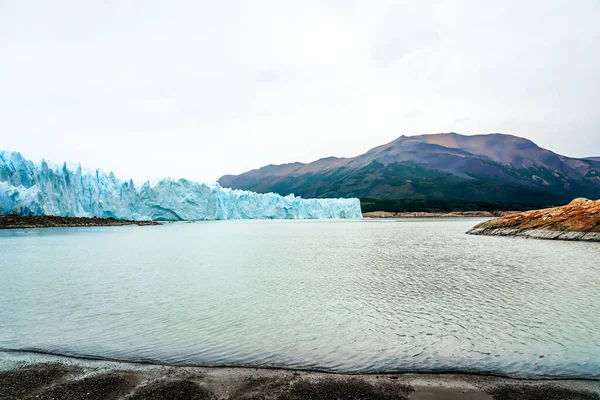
x=28 y=188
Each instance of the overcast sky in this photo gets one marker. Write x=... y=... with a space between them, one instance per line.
x=198 y=89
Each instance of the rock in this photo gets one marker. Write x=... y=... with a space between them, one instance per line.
x=18 y=221
x=579 y=200
x=578 y=220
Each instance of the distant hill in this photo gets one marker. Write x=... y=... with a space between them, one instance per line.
x=502 y=171
x=593 y=158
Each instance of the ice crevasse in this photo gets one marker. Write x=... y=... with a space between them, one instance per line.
x=28 y=188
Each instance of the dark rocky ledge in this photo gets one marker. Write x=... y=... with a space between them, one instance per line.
x=21 y=222
x=579 y=220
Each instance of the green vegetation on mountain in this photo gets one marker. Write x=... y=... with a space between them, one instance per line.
x=446 y=172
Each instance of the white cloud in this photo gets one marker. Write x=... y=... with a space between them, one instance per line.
x=198 y=89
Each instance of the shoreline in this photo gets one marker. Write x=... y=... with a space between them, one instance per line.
x=429 y=214
x=33 y=222
x=10 y=356
x=43 y=376
x=574 y=236
x=8 y=222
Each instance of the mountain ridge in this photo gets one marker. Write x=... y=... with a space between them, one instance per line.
x=495 y=167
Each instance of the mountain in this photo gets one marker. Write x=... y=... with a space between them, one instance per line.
x=495 y=168
x=592 y=158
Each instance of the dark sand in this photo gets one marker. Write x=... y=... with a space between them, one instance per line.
x=75 y=379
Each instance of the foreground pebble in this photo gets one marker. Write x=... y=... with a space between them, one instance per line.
x=113 y=380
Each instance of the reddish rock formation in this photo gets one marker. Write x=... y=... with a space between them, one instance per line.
x=579 y=220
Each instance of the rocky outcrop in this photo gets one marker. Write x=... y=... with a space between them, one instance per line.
x=579 y=220
x=21 y=222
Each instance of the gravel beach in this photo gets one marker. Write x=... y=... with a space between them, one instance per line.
x=66 y=378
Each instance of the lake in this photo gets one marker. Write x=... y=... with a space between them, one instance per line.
x=340 y=296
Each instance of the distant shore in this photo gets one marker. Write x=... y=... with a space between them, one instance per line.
x=427 y=214
x=21 y=222
x=73 y=378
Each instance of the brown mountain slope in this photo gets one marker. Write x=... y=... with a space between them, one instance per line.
x=493 y=167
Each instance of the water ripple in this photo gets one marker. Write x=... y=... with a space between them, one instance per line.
x=342 y=296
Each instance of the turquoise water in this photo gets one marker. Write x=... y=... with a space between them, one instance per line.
x=342 y=296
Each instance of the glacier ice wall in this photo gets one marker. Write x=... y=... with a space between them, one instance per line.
x=28 y=188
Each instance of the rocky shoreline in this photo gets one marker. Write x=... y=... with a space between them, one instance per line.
x=579 y=220
x=21 y=222
x=427 y=214
x=77 y=379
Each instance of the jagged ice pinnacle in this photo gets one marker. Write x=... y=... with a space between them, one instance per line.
x=28 y=188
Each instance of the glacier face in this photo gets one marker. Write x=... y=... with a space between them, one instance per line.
x=28 y=188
